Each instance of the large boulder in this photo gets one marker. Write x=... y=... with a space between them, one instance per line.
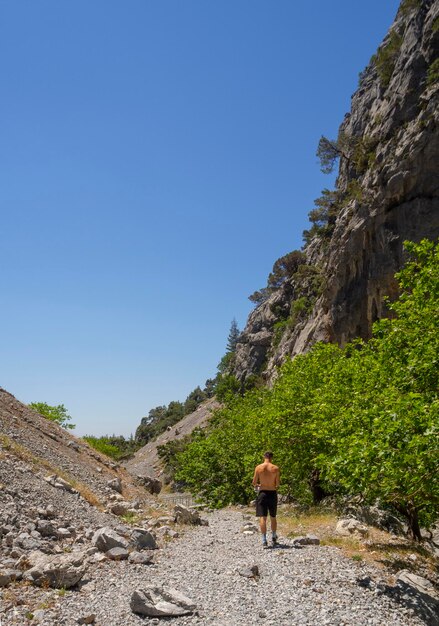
x=153 y=485
x=183 y=515
x=143 y=539
x=106 y=538
x=120 y=508
x=351 y=527
x=61 y=570
x=161 y=602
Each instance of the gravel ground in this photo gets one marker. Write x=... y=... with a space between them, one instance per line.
x=315 y=585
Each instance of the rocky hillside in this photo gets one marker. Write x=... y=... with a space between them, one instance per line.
x=146 y=461
x=387 y=191
x=67 y=513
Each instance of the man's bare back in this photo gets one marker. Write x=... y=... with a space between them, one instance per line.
x=267 y=476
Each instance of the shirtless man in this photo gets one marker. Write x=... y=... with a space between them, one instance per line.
x=266 y=480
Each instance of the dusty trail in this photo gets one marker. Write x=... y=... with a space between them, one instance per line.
x=308 y=586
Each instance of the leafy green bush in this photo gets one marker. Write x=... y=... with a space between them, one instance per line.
x=101 y=444
x=56 y=414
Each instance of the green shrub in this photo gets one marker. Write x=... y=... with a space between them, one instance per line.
x=386 y=56
x=101 y=444
x=409 y=5
x=433 y=73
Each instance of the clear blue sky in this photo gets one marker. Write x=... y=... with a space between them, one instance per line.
x=156 y=158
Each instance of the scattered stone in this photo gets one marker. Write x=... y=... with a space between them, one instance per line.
x=183 y=515
x=64 y=533
x=106 y=538
x=25 y=541
x=140 y=558
x=74 y=446
x=250 y=572
x=7 y=576
x=249 y=528
x=308 y=540
x=349 y=527
x=46 y=528
x=161 y=602
x=422 y=585
x=115 y=484
x=59 y=483
x=120 y=508
x=117 y=554
x=165 y=519
x=143 y=539
x=153 y=485
x=64 y=570
x=87 y=619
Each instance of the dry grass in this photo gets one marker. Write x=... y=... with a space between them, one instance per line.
x=25 y=455
x=379 y=548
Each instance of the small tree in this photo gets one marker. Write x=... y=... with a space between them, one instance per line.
x=56 y=414
x=233 y=337
x=328 y=153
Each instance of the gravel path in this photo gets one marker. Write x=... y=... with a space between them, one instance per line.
x=315 y=585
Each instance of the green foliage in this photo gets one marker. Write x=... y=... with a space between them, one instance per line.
x=433 y=72
x=323 y=216
x=354 y=191
x=310 y=280
x=260 y=296
x=386 y=56
x=435 y=25
x=283 y=269
x=328 y=153
x=194 y=399
x=407 y=6
x=101 y=444
x=162 y=417
x=228 y=386
x=362 y=420
x=279 y=329
x=170 y=451
x=364 y=153
x=158 y=420
x=56 y=414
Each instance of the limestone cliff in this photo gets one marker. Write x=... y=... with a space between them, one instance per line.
x=387 y=192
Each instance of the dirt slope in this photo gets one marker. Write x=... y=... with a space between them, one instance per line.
x=51 y=449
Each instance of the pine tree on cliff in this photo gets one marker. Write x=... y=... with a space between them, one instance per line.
x=233 y=337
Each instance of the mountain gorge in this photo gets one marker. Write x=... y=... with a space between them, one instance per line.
x=387 y=191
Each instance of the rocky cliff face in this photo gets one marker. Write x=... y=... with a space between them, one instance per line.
x=387 y=192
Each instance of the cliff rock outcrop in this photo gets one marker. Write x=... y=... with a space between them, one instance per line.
x=387 y=192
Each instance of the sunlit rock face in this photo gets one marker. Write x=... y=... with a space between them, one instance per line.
x=389 y=181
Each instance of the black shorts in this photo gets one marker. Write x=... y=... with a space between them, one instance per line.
x=266 y=502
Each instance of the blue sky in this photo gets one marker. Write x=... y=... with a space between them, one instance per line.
x=156 y=158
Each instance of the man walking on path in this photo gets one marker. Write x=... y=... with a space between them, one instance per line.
x=266 y=480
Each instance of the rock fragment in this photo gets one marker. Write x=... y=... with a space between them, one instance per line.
x=64 y=570
x=348 y=527
x=161 y=602
x=143 y=539
x=106 y=538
